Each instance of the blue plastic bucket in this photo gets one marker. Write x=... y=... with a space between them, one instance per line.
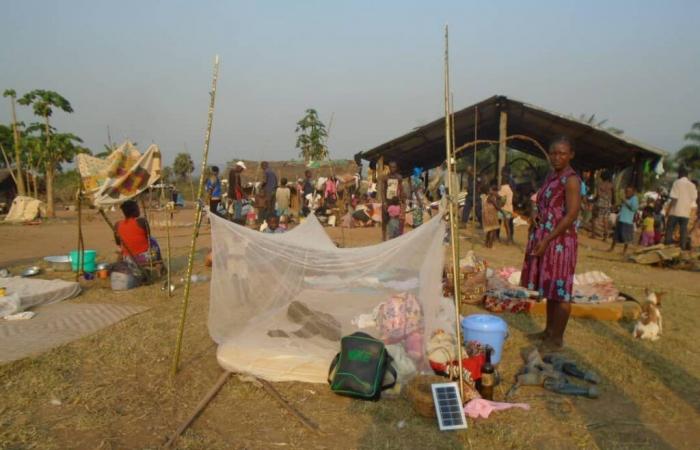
x=487 y=330
x=89 y=257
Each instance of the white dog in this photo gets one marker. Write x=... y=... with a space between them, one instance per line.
x=650 y=324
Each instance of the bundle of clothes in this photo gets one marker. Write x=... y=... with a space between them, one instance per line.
x=504 y=293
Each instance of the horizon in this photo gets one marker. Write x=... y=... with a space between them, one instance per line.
x=144 y=70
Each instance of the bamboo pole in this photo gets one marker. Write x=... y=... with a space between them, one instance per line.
x=452 y=203
x=382 y=193
x=502 y=138
x=168 y=224
x=475 y=194
x=198 y=218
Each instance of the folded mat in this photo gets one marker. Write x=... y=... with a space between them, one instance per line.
x=35 y=291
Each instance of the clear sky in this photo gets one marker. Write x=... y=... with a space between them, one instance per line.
x=144 y=67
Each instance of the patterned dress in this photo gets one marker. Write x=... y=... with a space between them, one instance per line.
x=552 y=274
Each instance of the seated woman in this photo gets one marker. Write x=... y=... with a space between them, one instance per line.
x=133 y=234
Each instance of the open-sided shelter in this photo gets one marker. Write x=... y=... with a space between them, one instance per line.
x=519 y=125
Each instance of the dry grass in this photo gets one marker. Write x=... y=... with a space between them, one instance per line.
x=115 y=389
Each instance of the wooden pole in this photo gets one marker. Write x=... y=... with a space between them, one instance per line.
x=502 y=135
x=452 y=206
x=198 y=409
x=168 y=224
x=308 y=423
x=197 y=219
x=475 y=195
x=382 y=193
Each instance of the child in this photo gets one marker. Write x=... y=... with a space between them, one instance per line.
x=283 y=197
x=393 y=226
x=273 y=225
x=213 y=187
x=491 y=208
x=659 y=220
x=624 y=227
x=648 y=234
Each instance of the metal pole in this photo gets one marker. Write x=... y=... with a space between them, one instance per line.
x=197 y=218
x=452 y=200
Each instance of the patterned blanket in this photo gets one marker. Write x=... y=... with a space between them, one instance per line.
x=124 y=174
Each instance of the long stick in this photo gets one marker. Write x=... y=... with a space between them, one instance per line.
x=308 y=423
x=7 y=163
x=475 y=195
x=198 y=217
x=198 y=409
x=452 y=199
x=168 y=224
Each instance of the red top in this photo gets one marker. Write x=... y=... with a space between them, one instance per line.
x=132 y=235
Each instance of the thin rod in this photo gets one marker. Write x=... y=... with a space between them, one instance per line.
x=475 y=194
x=452 y=198
x=197 y=218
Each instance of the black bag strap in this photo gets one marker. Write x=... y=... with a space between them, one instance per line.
x=334 y=364
x=392 y=370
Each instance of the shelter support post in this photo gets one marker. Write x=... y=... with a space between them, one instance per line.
x=197 y=220
x=502 y=149
x=381 y=189
x=638 y=173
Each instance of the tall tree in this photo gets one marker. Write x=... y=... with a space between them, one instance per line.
x=15 y=132
x=311 y=138
x=43 y=103
x=183 y=168
x=689 y=155
x=62 y=149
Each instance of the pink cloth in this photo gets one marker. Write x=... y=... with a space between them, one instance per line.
x=479 y=407
x=394 y=211
x=648 y=239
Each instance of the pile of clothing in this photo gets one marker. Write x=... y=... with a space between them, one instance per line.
x=504 y=294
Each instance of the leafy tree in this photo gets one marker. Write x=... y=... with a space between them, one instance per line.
x=16 y=141
x=183 y=165
x=311 y=139
x=62 y=148
x=43 y=103
x=591 y=120
x=689 y=155
x=166 y=174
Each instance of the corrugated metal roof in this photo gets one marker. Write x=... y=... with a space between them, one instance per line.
x=595 y=147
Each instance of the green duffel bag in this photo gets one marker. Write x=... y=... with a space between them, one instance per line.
x=360 y=367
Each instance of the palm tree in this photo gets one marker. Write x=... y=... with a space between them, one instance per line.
x=18 y=152
x=689 y=155
x=591 y=120
x=43 y=103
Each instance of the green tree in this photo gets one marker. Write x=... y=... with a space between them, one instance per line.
x=183 y=165
x=43 y=103
x=16 y=141
x=689 y=155
x=166 y=174
x=311 y=138
x=62 y=148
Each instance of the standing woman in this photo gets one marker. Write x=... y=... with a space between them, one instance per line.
x=550 y=256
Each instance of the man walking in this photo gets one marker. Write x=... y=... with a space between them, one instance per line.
x=683 y=196
x=235 y=191
x=269 y=188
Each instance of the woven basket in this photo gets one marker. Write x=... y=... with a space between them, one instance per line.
x=420 y=394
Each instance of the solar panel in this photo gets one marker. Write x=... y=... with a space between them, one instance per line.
x=448 y=406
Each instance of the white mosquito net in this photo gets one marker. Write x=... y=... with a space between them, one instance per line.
x=281 y=302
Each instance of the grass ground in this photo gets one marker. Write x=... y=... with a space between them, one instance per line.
x=113 y=390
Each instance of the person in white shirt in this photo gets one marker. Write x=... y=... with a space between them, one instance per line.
x=683 y=197
x=506 y=212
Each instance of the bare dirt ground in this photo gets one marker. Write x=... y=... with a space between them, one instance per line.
x=113 y=390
